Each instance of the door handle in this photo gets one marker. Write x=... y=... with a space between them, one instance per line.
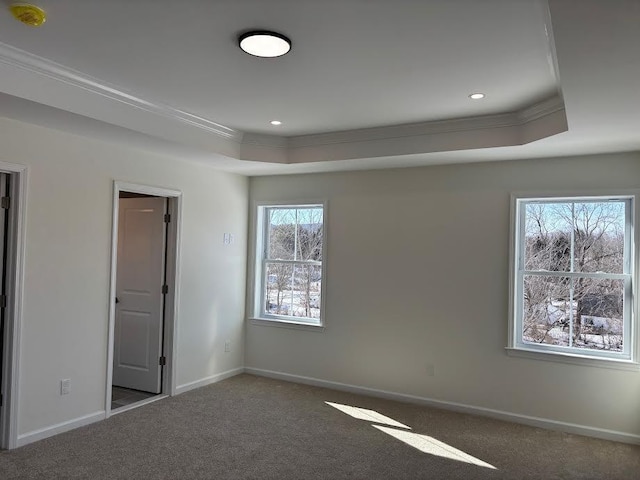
x=117 y=301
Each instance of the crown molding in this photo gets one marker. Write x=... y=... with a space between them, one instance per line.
x=263 y=140
x=405 y=130
x=502 y=120
x=541 y=109
x=521 y=119
x=16 y=57
x=43 y=81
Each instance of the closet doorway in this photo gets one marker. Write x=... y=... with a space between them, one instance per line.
x=143 y=293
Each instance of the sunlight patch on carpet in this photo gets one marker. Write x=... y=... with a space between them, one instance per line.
x=430 y=445
x=368 y=415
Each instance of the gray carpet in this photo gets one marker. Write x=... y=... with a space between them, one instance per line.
x=248 y=427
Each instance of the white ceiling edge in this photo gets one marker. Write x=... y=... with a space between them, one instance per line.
x=452 y=159
x=16 y=57
x=16 y=109
x=40 y=80
x=25 y=111
x=509 y=129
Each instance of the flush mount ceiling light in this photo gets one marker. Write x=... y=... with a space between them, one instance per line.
x=262 y=43
x=275 y=122
x=476 y=96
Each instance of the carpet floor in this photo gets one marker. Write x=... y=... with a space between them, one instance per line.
x=249 y=427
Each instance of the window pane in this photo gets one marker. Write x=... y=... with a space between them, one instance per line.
x=279 y=289
x=599 y=314
x=309 y=238
x=282 y=233
x=548 y=237
x=546 y=310
x=294 y=235
x=293 y=290
x=593 y=320
x=584 y=236
x=308 y=279
x=599 y=232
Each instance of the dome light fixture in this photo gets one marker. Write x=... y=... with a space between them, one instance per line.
x=476 y=96
x=265 y=44
x=276 y=122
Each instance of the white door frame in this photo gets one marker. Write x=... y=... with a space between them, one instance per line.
x=174 y=208
x=13 y=314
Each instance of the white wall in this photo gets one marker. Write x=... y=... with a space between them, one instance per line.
x=417 y=274
x=68 y=236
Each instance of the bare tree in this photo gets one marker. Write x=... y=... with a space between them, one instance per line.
x=309 y=247
x=279 y=275
x=580 y=237
x=295 y=235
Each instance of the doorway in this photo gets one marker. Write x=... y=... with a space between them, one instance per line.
x=13 y=180
x=143 y=296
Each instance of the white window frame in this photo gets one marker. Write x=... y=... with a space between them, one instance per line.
x=260 y=315
x=628 y=358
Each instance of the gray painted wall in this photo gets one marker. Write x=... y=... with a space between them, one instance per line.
x=68 y=248
x=417 y=274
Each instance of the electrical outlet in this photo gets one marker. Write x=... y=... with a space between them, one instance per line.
x=227 y=346
x=431 y=370
x=65 y=386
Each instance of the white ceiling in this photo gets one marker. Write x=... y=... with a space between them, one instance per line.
x=400 y=69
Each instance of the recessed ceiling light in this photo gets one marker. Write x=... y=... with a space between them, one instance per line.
x=276 y=122
x=264 y=44
x=476 y=96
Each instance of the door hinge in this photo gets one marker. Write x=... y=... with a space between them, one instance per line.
x=165 y=289
x=1 y=398
x=167 y=217
x=163 y=361
x=3 y=301
x=5 y=202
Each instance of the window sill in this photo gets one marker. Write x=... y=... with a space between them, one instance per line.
x=574 y=359
x=269 y=322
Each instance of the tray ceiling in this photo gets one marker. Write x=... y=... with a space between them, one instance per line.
x=364 y=79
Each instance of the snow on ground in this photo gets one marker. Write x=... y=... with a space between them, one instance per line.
x=605 y=341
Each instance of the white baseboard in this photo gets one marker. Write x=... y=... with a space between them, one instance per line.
x=208 y=380
x=602 y=433
x=46 y=432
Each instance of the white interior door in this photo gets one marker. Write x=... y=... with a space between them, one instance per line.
x=139 y=304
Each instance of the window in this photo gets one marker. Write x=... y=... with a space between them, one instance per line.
x=289 y=273
x=573 y=276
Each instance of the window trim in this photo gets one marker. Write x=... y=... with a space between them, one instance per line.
x=515 y=346
x=258 y=316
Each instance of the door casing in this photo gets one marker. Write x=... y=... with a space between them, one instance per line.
x=9 y=411
x=174 y=207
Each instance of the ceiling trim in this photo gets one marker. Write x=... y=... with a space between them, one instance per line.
x=511 y=119
x=532 y=123
x=262 y=140
x=16 y=57
x=541 y=109
x=38 y=79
